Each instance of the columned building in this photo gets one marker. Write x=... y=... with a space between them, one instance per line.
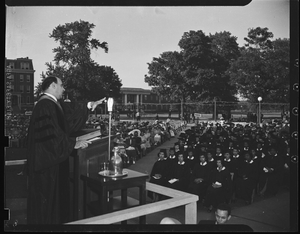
x=138 y=98
x=134 y=95
x=21 y=84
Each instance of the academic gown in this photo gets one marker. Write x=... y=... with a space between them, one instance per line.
x=245 y=182
x=159 y=167
x=192 y=161
x=214 y=196
x=49 y=147
x=236 y=163
x=180 y=172
x=271 y=178
x=230 y=166
x=200 y=170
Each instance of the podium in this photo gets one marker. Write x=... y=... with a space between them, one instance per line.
x=84 y=162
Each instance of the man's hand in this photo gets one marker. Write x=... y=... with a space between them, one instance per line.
x=96 y=103
x=82 y=144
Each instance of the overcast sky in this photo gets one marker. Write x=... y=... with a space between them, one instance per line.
x=135 y=34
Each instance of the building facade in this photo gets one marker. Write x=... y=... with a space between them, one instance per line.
x=138 y=98
x=20 y=84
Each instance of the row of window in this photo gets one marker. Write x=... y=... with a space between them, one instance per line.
x=21 y=88
x=27 y=100
x=132 y=97
x=24 y=65
x=23 y=100
x=12 y=78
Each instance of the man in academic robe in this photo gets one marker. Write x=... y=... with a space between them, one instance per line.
x=199 y=178
x=158 y=173
x=218 y=154
x=178 y=174
x=237 y=160
x=229 y=165
x=210 y=160
x=178 y=148
x=191 y=159
x=49 y=147
x=246 y=179
x=172 y=157
x=271 y=173
x=217 y=186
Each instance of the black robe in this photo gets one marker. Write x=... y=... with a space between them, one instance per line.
x=49 y=147
x=273 y=177
x=214 y=196
x=203 y=172
x=159 y=167
x=180 y=172
x=246 y=180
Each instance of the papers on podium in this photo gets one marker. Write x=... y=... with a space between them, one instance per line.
x=87 y=134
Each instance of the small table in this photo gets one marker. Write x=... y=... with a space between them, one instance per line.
x=104 y=185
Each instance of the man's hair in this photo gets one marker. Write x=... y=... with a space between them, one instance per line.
x=47 y=82
x=224 y=206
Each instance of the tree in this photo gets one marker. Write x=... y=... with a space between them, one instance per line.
x=165 y=76
x=259 y=38
x=263 y=68
x=277 y=66
x=82 y=77
x=197 y=72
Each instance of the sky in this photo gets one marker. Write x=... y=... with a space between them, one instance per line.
x=135 y=34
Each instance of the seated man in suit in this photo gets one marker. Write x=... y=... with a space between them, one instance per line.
x=222 y=215
x=219 y=224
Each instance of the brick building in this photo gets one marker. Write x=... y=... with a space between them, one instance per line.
x=21 y=81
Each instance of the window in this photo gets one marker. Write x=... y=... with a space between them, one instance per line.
x=145 y=97
x=28 y=99
x=12 y=87
x=21 y=78
x=28 y=89
x=11 y=65
x=24 y=65
x=21 y=88
x=22 y=99
x=12 y=78
x=27 y=78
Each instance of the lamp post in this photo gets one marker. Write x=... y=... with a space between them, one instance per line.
x=105 y=107
x=110 y=103
x=259 y=99
x=67 y=99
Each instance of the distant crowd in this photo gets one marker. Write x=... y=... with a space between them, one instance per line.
x=135 y=139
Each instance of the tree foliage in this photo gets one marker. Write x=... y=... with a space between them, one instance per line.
x=197 y=72
x=82 y=77
x=263 y=68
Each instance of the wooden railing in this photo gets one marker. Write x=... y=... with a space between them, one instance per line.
x=177 y=198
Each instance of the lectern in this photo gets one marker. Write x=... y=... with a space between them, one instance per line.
x=84 y=162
